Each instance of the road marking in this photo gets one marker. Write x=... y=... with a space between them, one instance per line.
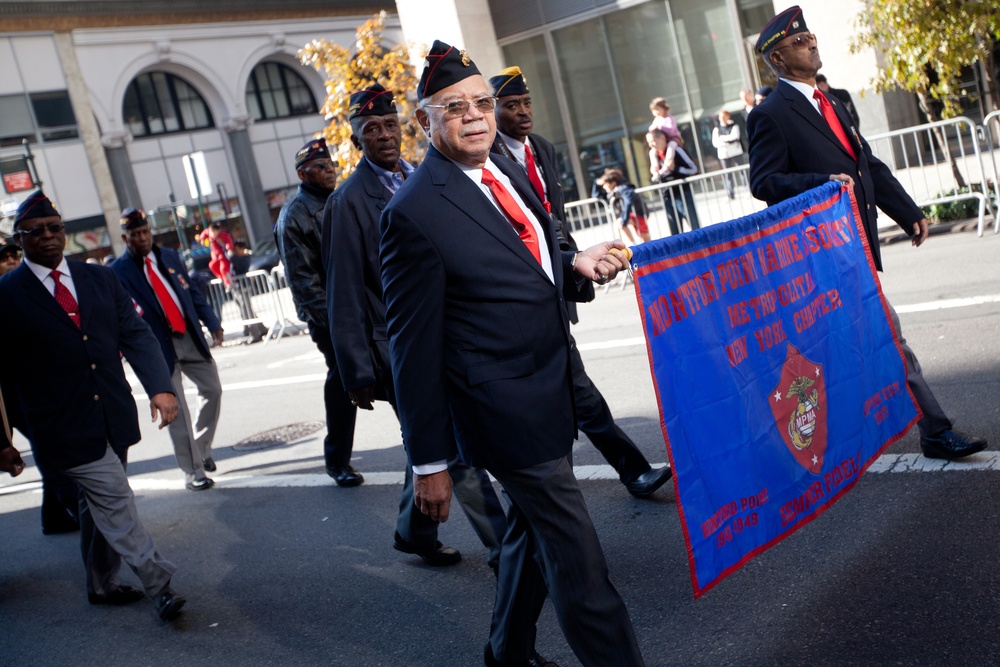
x=888 y=463
x=948 y=303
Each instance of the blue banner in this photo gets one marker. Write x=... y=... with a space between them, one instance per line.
x=777 y=372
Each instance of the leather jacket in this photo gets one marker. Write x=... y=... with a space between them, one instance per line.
x=298 y=234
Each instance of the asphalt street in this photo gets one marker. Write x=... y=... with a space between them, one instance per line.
x=281 y=567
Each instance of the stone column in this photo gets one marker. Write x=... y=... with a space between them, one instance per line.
x=91 y=136
x=253 y=203
x=466 y=24
x=122 y=175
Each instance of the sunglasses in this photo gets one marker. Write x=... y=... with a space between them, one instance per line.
x=801 y=41
x=459 y=108
x=53 y=227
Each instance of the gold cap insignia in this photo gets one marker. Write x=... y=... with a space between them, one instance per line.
x=466 y=60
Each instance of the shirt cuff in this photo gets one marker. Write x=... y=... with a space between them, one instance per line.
x=431 y=468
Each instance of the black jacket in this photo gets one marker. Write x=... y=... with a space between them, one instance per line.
x=298 y=234
x=792 y=149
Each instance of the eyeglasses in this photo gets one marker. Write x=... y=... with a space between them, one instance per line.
x=53 y=227
x=321 y=165
x=457 y=108
x=801 y=41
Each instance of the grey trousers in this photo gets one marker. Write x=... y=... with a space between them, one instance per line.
x=192 y=437
x=935 y=420
x=110 y=507
x=551 y=546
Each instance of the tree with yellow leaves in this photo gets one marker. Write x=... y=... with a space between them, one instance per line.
x=346 y=72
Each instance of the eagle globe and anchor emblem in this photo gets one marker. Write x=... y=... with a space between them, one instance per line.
x=798 y=403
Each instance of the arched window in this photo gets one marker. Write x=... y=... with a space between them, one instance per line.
x=277 y=91
x=158 y=103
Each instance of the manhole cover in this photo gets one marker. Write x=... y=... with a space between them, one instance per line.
x=276 y=437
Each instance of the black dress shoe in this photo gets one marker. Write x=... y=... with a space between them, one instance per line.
x=118 y=596
x=949 y=444
x=437 y=554
x=648 y=482
x=200 y=484
x=59 y=524
x=346 y=476
x=168 y=604
x=539 y=661
x=208 y=464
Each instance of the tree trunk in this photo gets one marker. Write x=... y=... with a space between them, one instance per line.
x=939 y=137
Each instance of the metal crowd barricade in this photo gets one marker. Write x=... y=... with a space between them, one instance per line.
x=711 y=197
x=924 y=168
x=286 y=304
x=251 y=299
x=991 y=138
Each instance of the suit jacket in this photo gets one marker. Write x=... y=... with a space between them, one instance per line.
x=73 y=398
x=793 y=149
x=354 y=281
x=478 y=335
x=132 y=274
x=545 y=153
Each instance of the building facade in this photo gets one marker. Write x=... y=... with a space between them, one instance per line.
x=118 y=109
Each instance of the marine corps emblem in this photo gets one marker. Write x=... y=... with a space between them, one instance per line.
x=466 y=60
x=798 y=403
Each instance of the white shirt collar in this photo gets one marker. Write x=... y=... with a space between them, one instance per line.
x=43 y=272
x=807 y=90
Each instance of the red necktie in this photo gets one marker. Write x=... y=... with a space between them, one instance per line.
x=529 y=161
x=167 y=303
x=65 y=299
x=521 y=224
x=831 y=119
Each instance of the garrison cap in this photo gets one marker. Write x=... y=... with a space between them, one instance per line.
x=788 y=22
x=37 y=205
x=372 y=101
x=444 y=65
x=133 y=218
x=312 y=150
x=509 y=82
x=8 y=246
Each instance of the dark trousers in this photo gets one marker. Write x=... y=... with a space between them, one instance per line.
x=594 y=418
x=475 y=493
x=551 y=546
x=935 y=420
x=341 y=414
x=60 y=502
x=679 y=203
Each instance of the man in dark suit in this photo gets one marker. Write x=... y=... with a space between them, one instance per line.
x=479 y=345
x=537 y=156
x=75 y=406
x=354 y=298
x=174 y=309
x=298 y=234
x=801 y=139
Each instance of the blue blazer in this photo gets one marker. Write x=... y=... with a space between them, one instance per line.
x=478 y=335
x=793 y=149
x=194 y=306
x=70 y=388
x=354 y=281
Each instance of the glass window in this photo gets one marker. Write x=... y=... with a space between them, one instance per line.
x=533 y=59
x=586 y=75
x=15 y=120
x=277 y=91
x=158 y=103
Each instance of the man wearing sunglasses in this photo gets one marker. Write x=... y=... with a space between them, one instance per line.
x=800 y=139
x=68 y=394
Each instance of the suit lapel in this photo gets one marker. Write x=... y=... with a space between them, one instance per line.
x=137 y=285
x=86 y=292
x=34 y=289
x=459 y=189
x=804 y=108
x=374 y=187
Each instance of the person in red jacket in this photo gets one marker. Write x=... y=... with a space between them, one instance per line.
x=220 y=243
